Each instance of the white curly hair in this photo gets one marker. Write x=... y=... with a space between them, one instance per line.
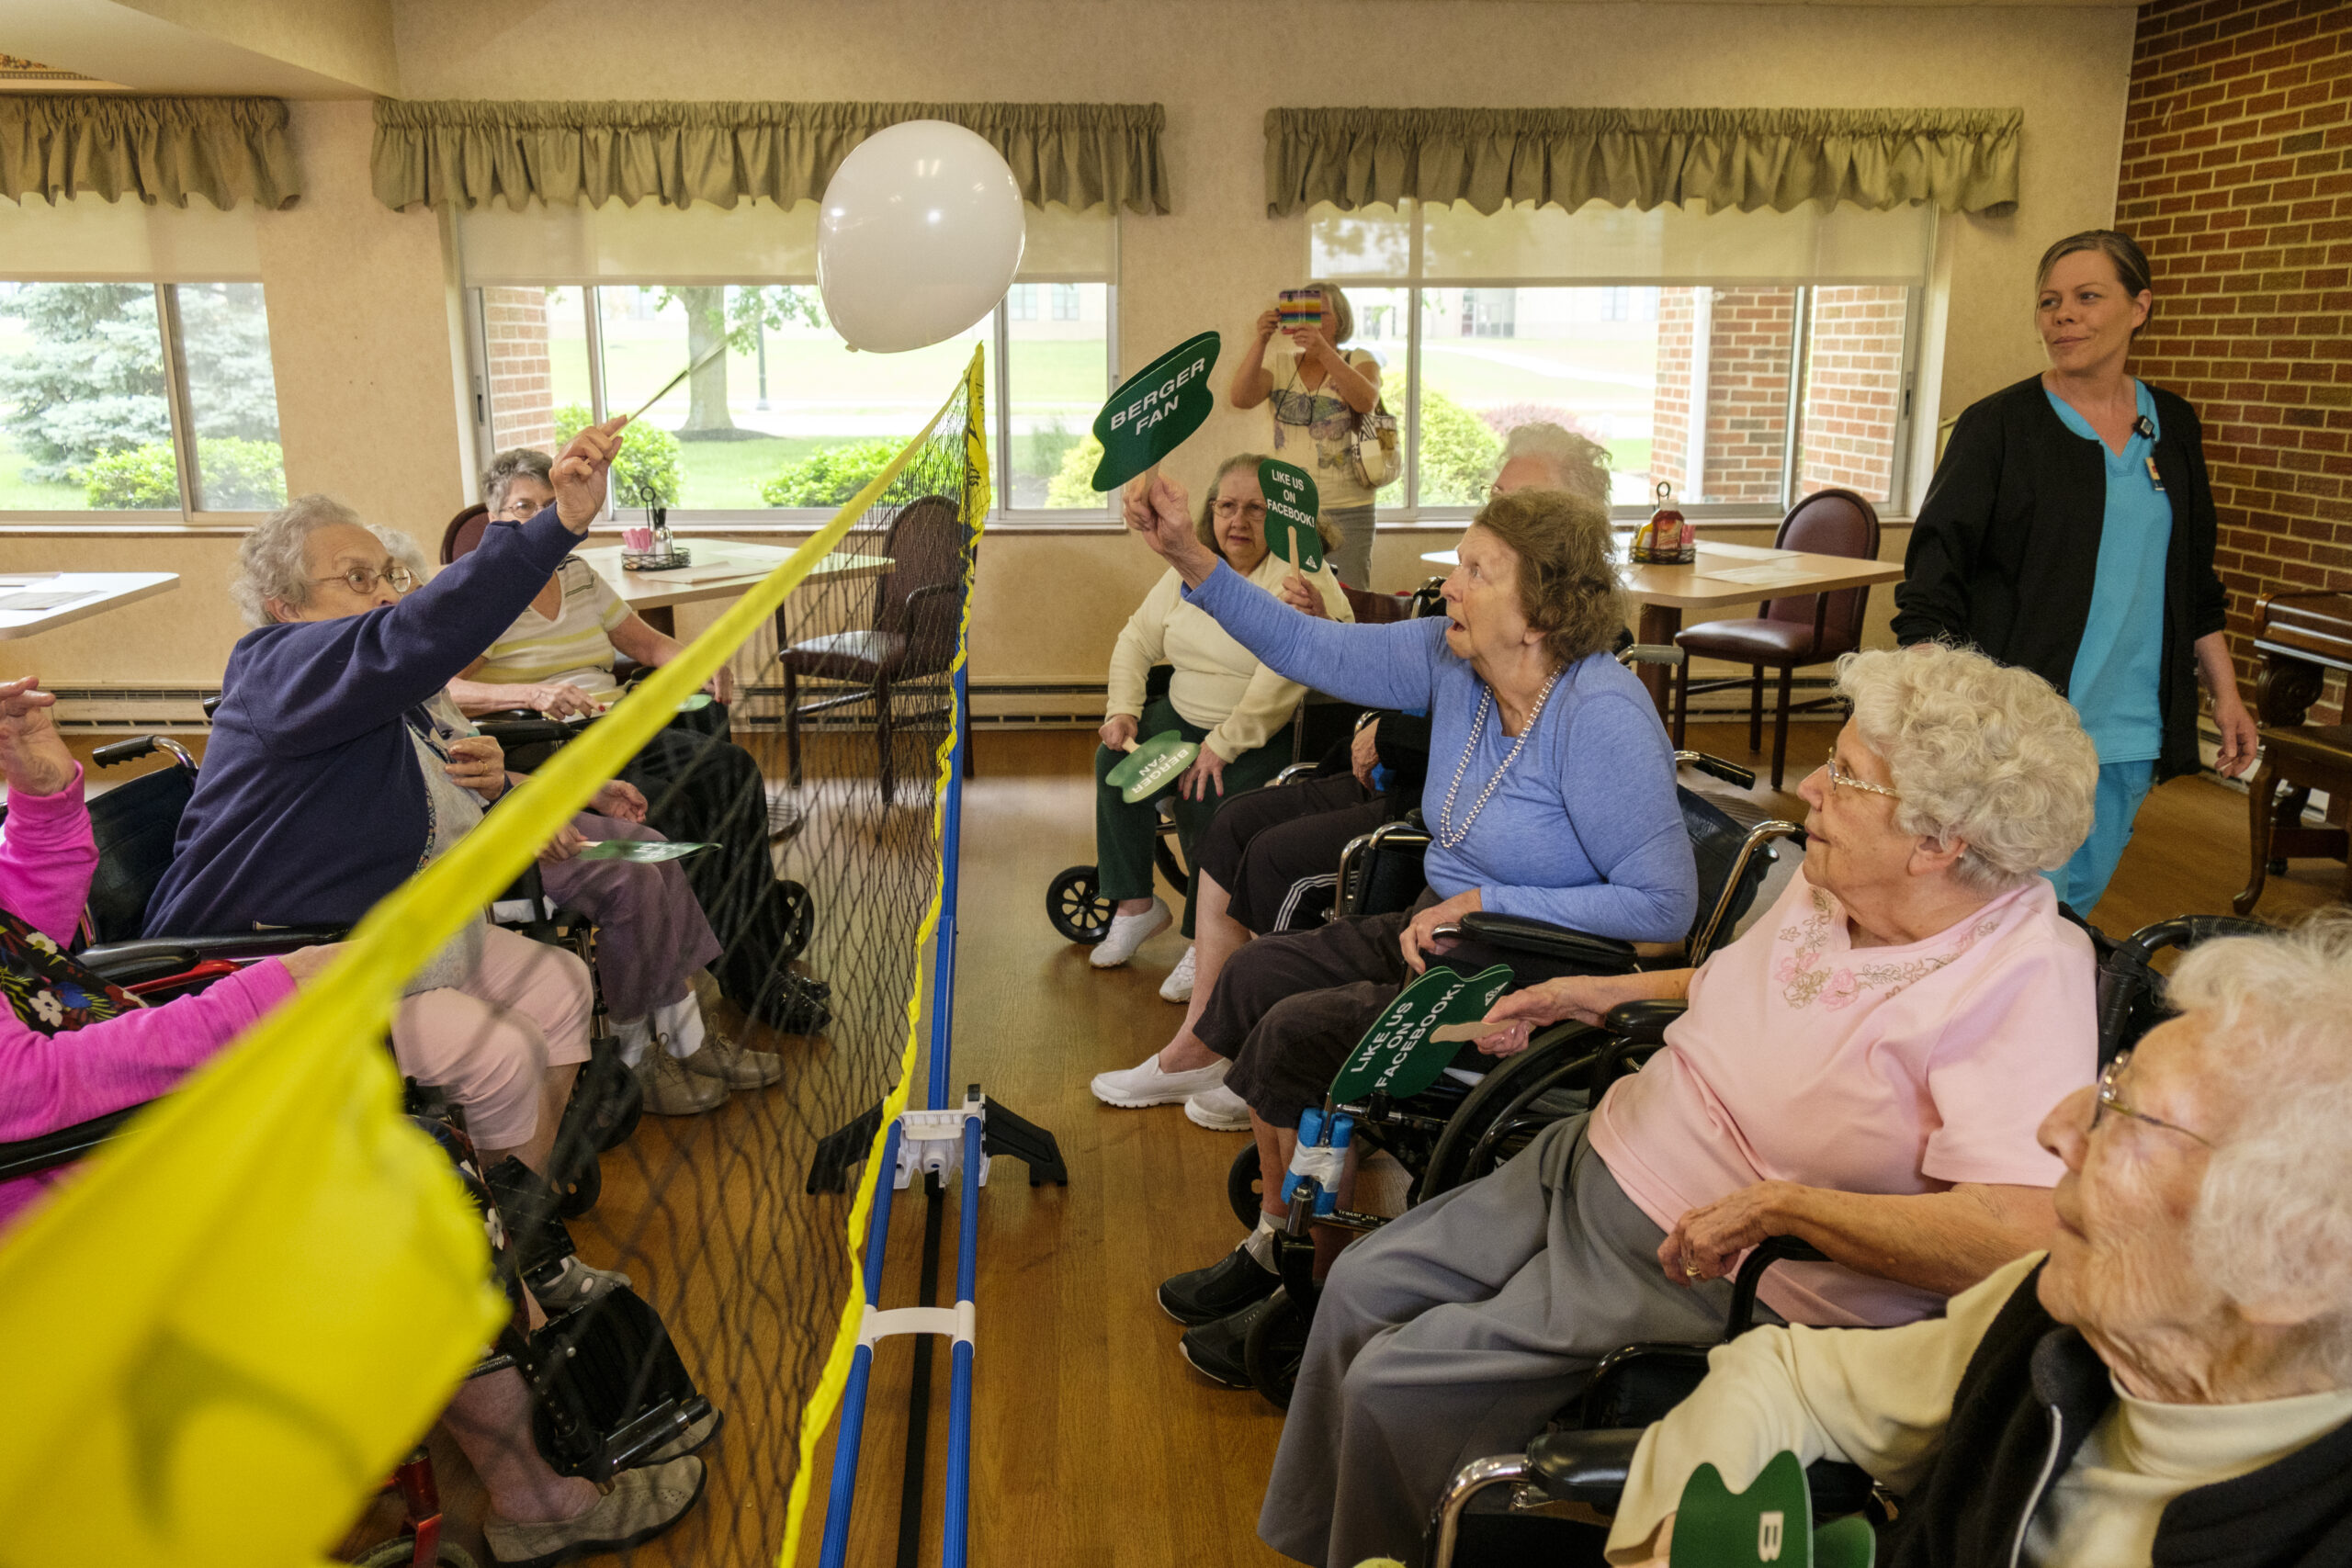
x=1980 y=753
x=274 y=560
x=2273 y=1221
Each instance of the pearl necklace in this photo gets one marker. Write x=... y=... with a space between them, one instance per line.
x=1447 y=834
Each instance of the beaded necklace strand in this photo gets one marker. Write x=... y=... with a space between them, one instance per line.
x=1447 y=833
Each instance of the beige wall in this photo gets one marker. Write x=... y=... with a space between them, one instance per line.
x=361 y=321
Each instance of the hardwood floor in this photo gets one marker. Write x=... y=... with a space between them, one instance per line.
x=1093 y=1442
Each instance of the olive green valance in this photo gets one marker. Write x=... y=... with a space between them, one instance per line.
x=62 y=145
x=466 y=154
x=1963 y=160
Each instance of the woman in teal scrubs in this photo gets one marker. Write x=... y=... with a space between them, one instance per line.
x=2070 y=529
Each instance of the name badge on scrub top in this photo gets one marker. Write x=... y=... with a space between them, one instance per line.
x=2154 y=479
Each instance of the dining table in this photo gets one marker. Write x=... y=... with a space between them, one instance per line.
x=34 y=601
x=1723 y=575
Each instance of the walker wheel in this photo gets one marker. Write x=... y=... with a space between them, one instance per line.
x=401 y=1552
x=579 y=1195
x=1080 y=912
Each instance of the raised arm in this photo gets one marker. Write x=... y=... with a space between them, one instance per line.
x=46 y=854
x=1391 y=666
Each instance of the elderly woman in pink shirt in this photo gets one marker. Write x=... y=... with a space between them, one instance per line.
x=1865 y=1069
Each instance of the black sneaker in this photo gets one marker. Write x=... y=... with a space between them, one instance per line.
x=1217 y=1349
x=1232 y=1282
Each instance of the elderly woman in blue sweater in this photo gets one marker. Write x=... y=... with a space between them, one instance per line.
x=1550 y=794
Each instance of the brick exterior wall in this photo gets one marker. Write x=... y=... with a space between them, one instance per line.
x=1748 y=375
x=1853 y=390
x=522 y=385
x=1670 y=402
x=2238 y=180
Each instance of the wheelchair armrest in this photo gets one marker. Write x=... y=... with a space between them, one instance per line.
x=1771 y=1250
x=63 y=1146
x=1713 y=767
x=1644 y=1023
x=1520 y=934
x=532 y=732
x=113 y=959
x=1584 y=1465
x=1296 y=771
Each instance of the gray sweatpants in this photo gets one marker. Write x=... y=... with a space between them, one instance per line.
x=1458 y=1331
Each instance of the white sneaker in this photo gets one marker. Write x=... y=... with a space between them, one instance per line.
x=1219 y=1110
x=1177 y=987
x=1147 y=1085
x=1128 y=933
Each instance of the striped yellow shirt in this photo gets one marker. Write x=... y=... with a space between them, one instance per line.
x=574 y=646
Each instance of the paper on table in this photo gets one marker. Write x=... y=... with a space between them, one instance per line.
x=39 y=601
x=1751 y=552
x=1774 y=571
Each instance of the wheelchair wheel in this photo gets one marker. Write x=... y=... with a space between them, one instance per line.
x=1078 y=910
x=800 y=919
x=1526 y=1093
x=401 y=1551
x=578 y=1194
x=1242 y=1185
x=1276 y=1345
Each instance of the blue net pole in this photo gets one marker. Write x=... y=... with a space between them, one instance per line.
x=956 y=1527
x=852 y=1431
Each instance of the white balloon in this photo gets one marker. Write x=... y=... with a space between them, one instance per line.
x=919 y=236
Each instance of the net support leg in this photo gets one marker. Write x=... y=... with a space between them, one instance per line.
x=943 y=960
x=850 y=1435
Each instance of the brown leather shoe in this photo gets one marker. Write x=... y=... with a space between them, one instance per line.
x=640 y=1505
x=671 y=1090
x=731 y=1064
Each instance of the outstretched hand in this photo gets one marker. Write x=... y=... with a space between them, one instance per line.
x=580 y=471
x=33 y=757
x=1155 y=507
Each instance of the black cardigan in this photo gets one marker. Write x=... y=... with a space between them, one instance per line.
x=2031 y=1393
x=2004 y=547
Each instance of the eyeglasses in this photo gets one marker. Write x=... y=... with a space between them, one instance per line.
x=1253 y=510
x=2110 y=1097
x=521 y=510
x=363 y=578
x=1838 y=776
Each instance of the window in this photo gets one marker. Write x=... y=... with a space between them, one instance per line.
x=1794 y=333
x=583 y=314
x=135 y=397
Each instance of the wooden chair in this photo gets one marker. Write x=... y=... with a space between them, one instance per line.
x=917 y=612
x=2298 y=759
x=464 y=532
x=1811 y=629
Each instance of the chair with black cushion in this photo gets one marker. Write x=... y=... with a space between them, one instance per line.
x=918 y=613
x=1809 y=629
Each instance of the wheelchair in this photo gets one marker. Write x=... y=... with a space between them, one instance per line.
x=1584 y=1457
x=1485 y=1111
x=136 y=825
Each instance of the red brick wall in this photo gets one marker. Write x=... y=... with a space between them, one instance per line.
x=522 y=395
x=1853 y=390
x=2238 y=180
x=1747 y=389
x=1670 y=402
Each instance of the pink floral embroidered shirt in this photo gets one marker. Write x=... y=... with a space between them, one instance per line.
x=1877 y=1070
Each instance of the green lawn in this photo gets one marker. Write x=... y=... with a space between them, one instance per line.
x=18 y=493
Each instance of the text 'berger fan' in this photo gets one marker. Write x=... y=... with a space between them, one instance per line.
x=919 y=235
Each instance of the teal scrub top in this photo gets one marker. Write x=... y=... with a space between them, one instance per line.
x=2121 y=662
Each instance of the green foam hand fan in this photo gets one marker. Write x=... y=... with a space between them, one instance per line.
x=1417 y=1037
x=1154 y=411
x=1771 y=1522
x=1292 y=505
x=1152 y=766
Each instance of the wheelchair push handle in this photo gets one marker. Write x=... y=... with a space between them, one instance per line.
x=118 y=751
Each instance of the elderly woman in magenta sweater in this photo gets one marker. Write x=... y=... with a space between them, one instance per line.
x=73 y=1048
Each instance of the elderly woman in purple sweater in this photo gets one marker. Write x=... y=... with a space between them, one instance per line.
x=1550 y=794
x=324 y=787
